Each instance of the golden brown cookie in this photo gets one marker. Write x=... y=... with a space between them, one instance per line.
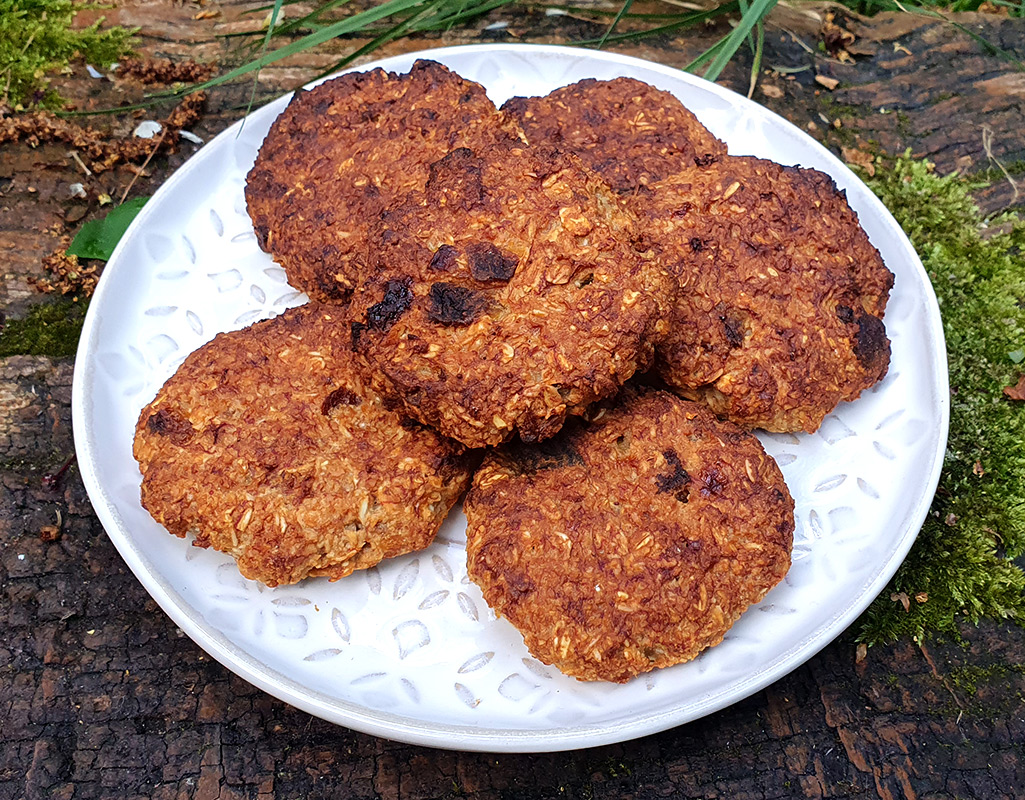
x=779 y=314
x=631 y=133
x=344 y=151
x=266 y=445
x=508 y=295
x=631 y=541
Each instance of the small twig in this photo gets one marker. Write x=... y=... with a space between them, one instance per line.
x=29 y=41
x=987 y=146
x=940 y=677
x=799 y=41
x=686 y=6
x=52 y=480
x=153 y=152
x=80 y=162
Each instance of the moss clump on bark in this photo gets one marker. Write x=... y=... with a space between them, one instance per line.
x=963 y=563
x=37 y=38
x=48 y=329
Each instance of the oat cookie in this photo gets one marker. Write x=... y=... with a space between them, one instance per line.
x=510 y=294
x=631 y=133
x=632 y=541
x=779 y=314
x=266 y=446
x=344 y=151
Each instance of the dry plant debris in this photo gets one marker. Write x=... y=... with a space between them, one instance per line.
x=100 y=151
x=65 y=274
x=161 y=70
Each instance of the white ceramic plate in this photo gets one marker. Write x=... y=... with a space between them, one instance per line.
x=409 y=650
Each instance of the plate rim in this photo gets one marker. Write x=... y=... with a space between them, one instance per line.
x=472 y=737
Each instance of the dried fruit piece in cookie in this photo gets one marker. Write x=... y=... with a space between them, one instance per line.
x=266 y=446
x=344 y=151
x=632 y=541
x=508 y=295
x=631 y=133
x=779 y=314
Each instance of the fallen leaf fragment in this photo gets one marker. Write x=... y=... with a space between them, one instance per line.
x=210 y=13
x=49 y=533
x=922 y=597
x=829 y=83
x=977 y=469
x=769 y=90
x=836 y=38
x=861 y=158
x=903 y=599
x=1016 y=392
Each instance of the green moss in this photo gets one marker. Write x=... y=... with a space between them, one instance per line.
x=37 y=38
x=963 y=559
x=968 y=679
x=903 y=123
x=49 y=329
x=613 y=768
x=997 y=175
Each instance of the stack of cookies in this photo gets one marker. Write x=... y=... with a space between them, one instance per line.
x=579 y=306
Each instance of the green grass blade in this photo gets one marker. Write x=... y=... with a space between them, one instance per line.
x=710 y=53
x=999 y=52
x=309 y=20
x=682 y=21
x=603 y=12
x=260 y=9
x=388 y=35
x=353 y=24
x=744 y=7
x=612 y=27
x=756 y=60
x=263 y=50
x=466 y=12
x=757 y=12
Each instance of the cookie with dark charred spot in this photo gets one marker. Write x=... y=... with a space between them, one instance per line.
x=393 y=304
x=267 y=446
x=630 y=542
x=631 y=133
x=489 y=264
x=779 y=314
x=346 y=150
x=526 y=304
x=452 y=305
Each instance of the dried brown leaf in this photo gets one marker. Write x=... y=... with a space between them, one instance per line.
x=1016 y=392
x=903 y=599
x=861 y=158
